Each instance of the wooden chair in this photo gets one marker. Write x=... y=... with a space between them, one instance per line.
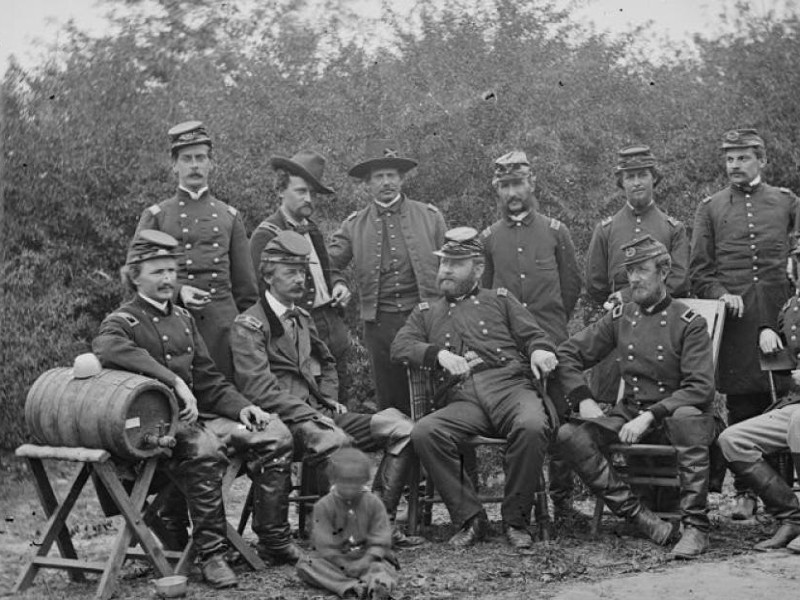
x=662 y=476
x=422 y=388
x=780 y=362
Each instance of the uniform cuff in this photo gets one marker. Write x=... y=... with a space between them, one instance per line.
x=660 y=412
x=429 y=360
x=578 y=395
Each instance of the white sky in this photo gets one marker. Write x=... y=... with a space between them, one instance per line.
x=27 y=26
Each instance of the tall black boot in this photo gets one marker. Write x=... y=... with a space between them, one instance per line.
x=390 y=480
x=778 y=497
x=271 y=486
x=175 y=517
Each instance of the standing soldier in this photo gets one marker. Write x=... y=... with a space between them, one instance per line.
x=606 y=281
x=740 y=247
x=391 y=242
x=215 y=277
x=297 y=181
x=532 y=256
x=152 y=336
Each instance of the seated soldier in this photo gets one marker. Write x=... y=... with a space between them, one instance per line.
x=152 y=336
x=282 y=365
x=746 y=443
x=667 y=366
x=351 y=538
x=492 y=346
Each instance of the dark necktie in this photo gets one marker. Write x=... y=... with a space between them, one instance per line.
x=304 y=229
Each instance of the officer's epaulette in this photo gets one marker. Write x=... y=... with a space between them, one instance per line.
x=707 y=200
x=689 y=315
x=673 y=221
x=424 y=306
x=486 y=232
x=555 y=223
x=606 y=222
x=502 y=292
x=351 y=216
x=786 y=191
x=184 y=312
x=233 y=211
x=154 y=210
x=432 y=207
x=616 y=312
x=129 y=318
x=249 y=321
x=270 y=226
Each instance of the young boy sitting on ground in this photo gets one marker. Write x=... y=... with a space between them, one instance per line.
x=350 y=535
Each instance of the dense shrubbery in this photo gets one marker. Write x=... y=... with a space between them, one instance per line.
x=85 y=143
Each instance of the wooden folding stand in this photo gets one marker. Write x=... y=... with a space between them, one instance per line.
x=130 y=506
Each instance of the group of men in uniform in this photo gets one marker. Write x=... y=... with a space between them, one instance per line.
x=251 y=337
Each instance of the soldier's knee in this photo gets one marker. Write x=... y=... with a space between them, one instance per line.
x=565 y=434
x=683 y=412
x=727 y=442
x=793 y=432
x=422 y=432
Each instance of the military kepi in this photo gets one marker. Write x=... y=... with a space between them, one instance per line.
x=461 y=242
x=188 y=133
x=149 y=244
x=288 y=247
x=635 y=157
x=742 y=138
x=641 y=249
x=511 y=167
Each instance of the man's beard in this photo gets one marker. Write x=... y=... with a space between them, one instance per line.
x=459 y=288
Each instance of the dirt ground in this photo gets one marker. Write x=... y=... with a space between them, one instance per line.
x=573 y=566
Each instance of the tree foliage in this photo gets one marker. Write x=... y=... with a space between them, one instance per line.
x=460 y=83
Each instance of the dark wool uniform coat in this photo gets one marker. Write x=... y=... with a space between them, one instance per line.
x=216 y=259
x=534 y=259
x=740 y=245
x=605 y=269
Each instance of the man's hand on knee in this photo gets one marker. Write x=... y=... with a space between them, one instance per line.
x=453 y=363
x=589 y=409
x=633 y=430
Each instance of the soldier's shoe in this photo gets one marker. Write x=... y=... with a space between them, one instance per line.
x=518 y=538
x=473 y=531
x=401 y=540
x=217 y=572
x=794 y=545
x=692 y=544
x=285 y=555
x=745 y=507
x=566 y=515
x=786 y=533
x=652 y=526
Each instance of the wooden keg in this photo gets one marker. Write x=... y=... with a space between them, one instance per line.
x=131 y=416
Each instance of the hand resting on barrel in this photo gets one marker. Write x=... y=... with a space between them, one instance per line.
x=189 y=411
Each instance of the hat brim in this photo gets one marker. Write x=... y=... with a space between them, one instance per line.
x=147 y=258
x=441 y=254
x=281 y=162
x=740 y=146
x=179 y=145
x=363 y=169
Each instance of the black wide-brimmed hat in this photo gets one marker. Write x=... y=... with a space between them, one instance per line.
x=381 y=154
x=307 y=164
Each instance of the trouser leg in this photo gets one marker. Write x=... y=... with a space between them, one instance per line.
x=691 y=433
x=333 y=331
x=740 y=408
x=174 y=515
x=198 y=466
x=779 y=499
x=322 y=573
x=391 y=386
x=437 y=439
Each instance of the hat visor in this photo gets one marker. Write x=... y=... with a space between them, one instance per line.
x=143 y=259
x=442 y=254
x=739 y=145
x=179 y=145
x=363 y=169
x=280 y=162
x=285 y=260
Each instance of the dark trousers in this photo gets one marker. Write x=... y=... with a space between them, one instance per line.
x=333 y=331
x=391 y=385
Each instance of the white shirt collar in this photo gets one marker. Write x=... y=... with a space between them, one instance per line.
x=520 y=217
x=388 y=204
x=194 y=195
x=162 y=306
x=276 y=305
x=756 y=181
x=640 y=210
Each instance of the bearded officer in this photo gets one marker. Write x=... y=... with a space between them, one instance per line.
x=215 y=278
x=152 y=336
x=666 y=364
x=493 y=348
x=740 y=247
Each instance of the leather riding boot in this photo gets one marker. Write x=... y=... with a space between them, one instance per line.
x=271 y=487
x=201 y=483
x=779 y=500
x=652 y=526
x=390 y=480
x=693 y=472
x=175 y=517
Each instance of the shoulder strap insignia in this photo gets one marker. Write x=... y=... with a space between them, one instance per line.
x=606 y=222
x=233 y=211
x=351 y=216
x=154 y=210
x=270 y=226
x=129 y=318
x=424 y=306
x=707 y=200
x=689 y=315
x=249 y=321
x=673 y=221
x=502 y=291
x=432 y=207
x=616 y=312
x=486 y=232
x=555 y=223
